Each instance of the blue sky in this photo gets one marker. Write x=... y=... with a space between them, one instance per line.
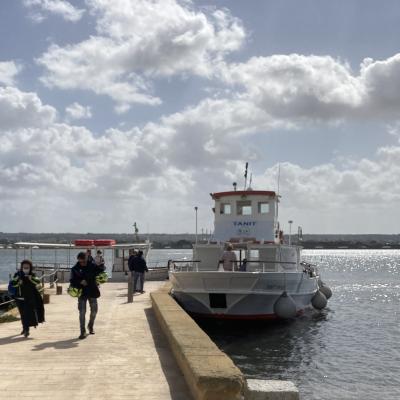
x=117 y=110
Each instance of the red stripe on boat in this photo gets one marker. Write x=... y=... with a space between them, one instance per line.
x=255 y=317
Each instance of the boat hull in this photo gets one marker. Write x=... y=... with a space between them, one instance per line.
x=238 y=295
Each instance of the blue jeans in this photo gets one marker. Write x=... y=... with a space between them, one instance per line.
x=82 y=311
x=138 y=276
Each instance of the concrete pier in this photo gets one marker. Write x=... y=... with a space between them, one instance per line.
x=127 y=358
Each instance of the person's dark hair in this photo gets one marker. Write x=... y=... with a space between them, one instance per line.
x=29 y=262
x=140 y=253
x=98 y=251
x=81 y=256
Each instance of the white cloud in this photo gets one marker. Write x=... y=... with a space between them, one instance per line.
x=23 y=110
x=328 y=199
x=126 y=54
x=78 y=111
x=55 y=175
x=296 y=87
x=8 y=71
x=62 y=8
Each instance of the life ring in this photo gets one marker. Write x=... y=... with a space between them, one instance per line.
x=84 y=242
x=104 y=242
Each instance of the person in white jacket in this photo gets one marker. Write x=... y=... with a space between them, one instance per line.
x=229 y=259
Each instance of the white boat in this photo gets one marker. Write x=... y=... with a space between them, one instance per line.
x=275 y=284
x=120 y=268
x=118 y=255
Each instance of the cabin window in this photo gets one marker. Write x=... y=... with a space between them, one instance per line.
x=243 y=208
x=263 y=207
x=226 y=208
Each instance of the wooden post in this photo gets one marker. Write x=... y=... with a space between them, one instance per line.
x=51 y=279
x=130 y=287
x=58 y=290
x=46 y=298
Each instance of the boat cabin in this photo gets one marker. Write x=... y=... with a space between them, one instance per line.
x=245 y=215
x=248 y=220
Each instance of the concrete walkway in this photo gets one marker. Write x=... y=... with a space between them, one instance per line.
x=127 y=358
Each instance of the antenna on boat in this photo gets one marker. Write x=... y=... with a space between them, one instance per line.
x=277 y=196
x=245 y=175
x=251 y=180
x=279 y=177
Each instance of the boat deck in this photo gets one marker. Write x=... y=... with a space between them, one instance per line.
x=127 y=358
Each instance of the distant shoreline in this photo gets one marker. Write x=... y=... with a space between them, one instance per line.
x=186 y=240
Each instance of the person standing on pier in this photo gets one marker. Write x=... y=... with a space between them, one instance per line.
x=99 y=259
x=89 y=256
x=25 y=286
x=83 y=277
x=138 y=266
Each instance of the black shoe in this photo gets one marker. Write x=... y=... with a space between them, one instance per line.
x=26 y=333
x=83 y=335
x=22 y=332
x=143 y=291
x=91 y=330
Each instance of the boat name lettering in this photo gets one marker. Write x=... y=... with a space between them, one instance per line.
x=244 y=223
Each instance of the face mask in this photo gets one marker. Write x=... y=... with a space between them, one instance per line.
x=25 y=271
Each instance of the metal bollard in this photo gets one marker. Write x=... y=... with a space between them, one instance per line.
x=130 y=287
x=51 y=279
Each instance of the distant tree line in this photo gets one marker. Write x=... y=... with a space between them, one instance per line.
x=186 y=240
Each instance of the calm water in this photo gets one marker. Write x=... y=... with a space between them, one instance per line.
x=350 y=350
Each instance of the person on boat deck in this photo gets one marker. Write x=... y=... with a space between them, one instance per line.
x=229 y=258
x=83 y=276
x=89 y=256
x=99 y=259
x=138 y=266
x=243 y=265
x=25 y=286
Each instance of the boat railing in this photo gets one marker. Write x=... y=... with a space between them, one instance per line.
x=39 y=266
x=237 y=266
x=309 y=268
x=183 y=265
x=157 y=264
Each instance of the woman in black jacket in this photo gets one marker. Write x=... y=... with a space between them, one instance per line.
x=27 y=296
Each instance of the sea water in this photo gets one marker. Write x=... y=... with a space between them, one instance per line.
x=350 y=350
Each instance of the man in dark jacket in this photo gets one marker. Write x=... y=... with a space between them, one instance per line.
x=139 y=267
x=83 y=276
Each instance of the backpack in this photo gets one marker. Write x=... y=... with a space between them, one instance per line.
x=12 y=290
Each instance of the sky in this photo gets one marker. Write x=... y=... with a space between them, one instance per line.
x=121 y=111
